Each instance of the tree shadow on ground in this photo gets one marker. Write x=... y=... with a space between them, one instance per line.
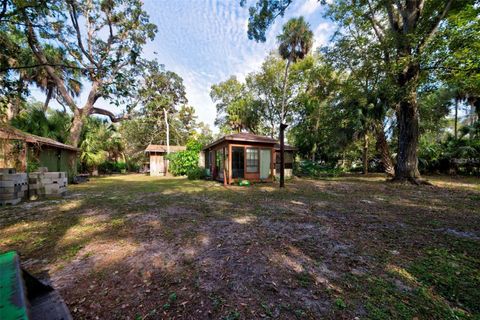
x=135 y=246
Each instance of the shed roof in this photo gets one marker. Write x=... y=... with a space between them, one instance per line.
x=11 y=133
x=243 y=137
x=163 y=148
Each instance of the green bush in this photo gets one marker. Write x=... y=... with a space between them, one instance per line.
x=132 y=166
x=185 y=161
x=196 y=174
x=316 y=170
x=107 y=167
x=182 y=162
x=453 y=155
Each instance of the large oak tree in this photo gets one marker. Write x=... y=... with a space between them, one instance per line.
x=102 y=39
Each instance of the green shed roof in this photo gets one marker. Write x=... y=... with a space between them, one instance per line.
x=9 y=132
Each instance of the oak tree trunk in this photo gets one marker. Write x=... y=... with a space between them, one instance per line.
x=408 y=126
x=76 y=128
x=407 y=160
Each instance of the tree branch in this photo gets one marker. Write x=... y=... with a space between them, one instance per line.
x=60 y=102
x=73 y=18
x=109 y=114
x=377 y=27
x=434 y=28
x=72 y=53
x=65 y=66
x=435 y=67
x=110 y=37
x=392 y=17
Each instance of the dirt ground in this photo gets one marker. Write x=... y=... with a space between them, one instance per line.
x=138 y=247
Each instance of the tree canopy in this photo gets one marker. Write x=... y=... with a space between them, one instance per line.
x=394 y=51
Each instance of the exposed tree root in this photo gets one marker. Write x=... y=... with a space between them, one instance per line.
x=410 y=180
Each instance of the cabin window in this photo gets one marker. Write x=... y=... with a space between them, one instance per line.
x=207 y=159
x=219 y=161
x=252 y=160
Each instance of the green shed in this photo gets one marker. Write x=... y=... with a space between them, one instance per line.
x=27 y=152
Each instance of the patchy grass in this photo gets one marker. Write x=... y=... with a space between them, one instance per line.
x=140 y=247
x=454 y=276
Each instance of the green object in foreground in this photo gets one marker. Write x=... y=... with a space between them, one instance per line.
x=244 y=183
x=12 y=297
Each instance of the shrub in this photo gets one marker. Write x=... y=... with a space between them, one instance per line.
x=196 y=174
x=107 y=167
x=182 y=162
x=120 y=166
x=315 y=170
x=453 y=155
x=185 y=161
x=132 y=166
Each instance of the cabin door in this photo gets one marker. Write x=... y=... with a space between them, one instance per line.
x=238 y=163
x=265 y=161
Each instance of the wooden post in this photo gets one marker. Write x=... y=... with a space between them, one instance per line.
x=229 y=163
x=273 y=160
x=24 y=157
x=224 y=168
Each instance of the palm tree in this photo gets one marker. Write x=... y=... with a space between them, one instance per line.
x=39 y=76
x=53 y=124
x=295 y=42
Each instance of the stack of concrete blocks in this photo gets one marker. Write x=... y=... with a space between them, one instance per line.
x=13 y=186
x=45 y=184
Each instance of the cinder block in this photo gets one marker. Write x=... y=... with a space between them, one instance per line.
x=10 y=196
x=7 y=190
x=10 y=202
x=47 y=184
x=7 y=170
x=6 y=184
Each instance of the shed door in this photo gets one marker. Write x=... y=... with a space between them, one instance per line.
x=157 y=165
x=265 y=160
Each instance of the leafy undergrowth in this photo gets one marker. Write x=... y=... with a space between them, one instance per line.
x=138 y=247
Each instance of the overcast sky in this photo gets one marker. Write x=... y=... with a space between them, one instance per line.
x=205 y=42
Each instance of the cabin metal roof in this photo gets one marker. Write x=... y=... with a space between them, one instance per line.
x=250 y=137
x=10 y=133
x=243 y=137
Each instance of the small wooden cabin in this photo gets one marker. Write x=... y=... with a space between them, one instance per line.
x=242 y=156
x=26 y=152
x=158 y=164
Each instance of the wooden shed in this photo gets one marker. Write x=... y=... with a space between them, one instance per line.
x=242 y=156
x=157 y=165
x=26 y=152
